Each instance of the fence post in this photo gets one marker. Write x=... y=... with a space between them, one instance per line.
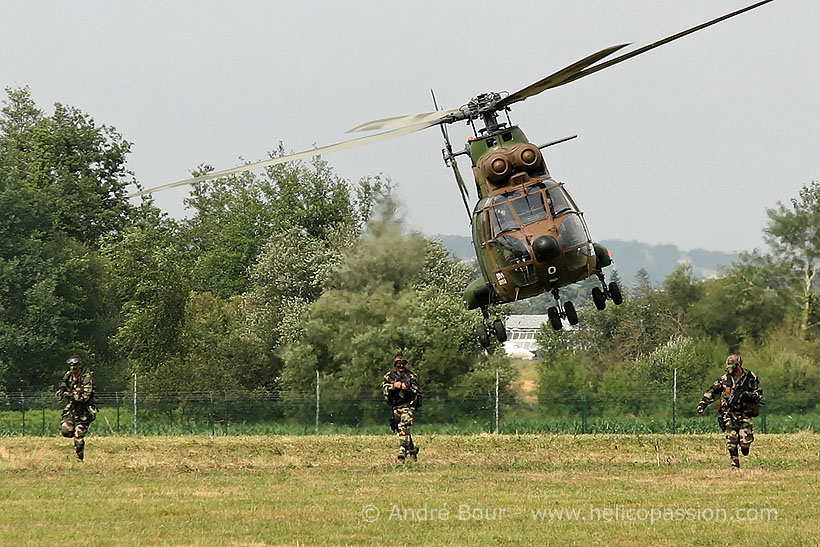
x=496 y=401
x=23 y=412
x=225 y=425
x=211 y=413
x=135 y=404
x=763 y=418
x=674 y=401
x=316 y=428
x=117 y=398
x=43 y=404
x=584 y=411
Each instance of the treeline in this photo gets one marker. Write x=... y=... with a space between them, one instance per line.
x=765 y=306
x=271 y=277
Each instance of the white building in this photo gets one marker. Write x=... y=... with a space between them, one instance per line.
x=521 y=330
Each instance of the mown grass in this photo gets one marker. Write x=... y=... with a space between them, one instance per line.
x=288 y=490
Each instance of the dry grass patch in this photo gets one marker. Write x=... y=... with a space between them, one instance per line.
x=313 y=490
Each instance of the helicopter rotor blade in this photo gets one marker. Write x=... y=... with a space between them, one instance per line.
x=396 y=122
x=582 y=68
x=452 y=160
x=560 y=77
x=291 y=157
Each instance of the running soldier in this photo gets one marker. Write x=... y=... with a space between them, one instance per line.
x=77 y=388
x=738 y=396
x=402 y=392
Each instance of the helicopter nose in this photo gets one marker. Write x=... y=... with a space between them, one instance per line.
x=545 y=248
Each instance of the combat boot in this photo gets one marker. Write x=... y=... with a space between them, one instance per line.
x=745 y=450
x=79 y=448
x=735 y=459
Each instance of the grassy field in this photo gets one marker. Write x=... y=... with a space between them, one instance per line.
x=482 y=489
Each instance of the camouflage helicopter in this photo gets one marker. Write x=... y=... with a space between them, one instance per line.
x=529 y=235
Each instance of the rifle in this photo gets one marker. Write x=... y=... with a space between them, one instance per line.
x=393 y=399
x=63 y=389
x=740 y=388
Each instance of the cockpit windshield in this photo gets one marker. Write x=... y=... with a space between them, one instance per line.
x=502 y=219
x=511 y=250
x=530 y=208
x=559 y=203
x=572 y=232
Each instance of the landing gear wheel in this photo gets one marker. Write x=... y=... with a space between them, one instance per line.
x=555 y=318
x=615 y=293
x=483 y=336
x=598 y=298
x=500 y=331
x=569 y=311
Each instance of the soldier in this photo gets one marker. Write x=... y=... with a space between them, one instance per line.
x=738 y=398
x=402 y=392
x=77 y=388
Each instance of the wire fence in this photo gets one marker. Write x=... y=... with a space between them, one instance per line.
x=314 y=412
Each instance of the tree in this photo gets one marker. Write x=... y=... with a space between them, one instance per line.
x=150 y=279
x=749 y=299
x=391 y=292
x=235 y=217
x=793 y=234
x=62 y=189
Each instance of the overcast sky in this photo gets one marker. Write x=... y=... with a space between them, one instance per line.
x=687 y=144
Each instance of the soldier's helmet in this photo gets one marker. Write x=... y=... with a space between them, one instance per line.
x=74 y=361
x=400 y=360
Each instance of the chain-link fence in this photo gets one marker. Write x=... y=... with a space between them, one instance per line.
x=311 y=412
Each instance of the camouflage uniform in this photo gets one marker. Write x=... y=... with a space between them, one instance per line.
x=736 y=422
x=77 y=388
x=404 y=403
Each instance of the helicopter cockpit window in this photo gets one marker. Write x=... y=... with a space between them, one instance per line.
x=506 y=196
x=537 y=187
x=559 y=203
x=572 y=232
x=502 y=219
x=530 y=208
x=512 y=251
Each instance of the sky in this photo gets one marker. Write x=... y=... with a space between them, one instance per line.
x=688 y=144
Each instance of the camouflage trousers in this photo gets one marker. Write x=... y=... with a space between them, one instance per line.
x=739 y=432
x=75 y=422
x=404 y=419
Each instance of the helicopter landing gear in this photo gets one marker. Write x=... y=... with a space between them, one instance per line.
x=559 y=311
x=484 y=331
x=604 y=292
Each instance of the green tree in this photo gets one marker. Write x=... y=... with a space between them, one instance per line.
x=793 y=234
x=149 y=276
x=391 y=292
x=750 y=298
x=62 y=189
x=235 y=217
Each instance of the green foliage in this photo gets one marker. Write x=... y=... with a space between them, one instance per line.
x=62 y=189
x=236 y=217
x=391 y=292
x=793 y=234
x=150 y=279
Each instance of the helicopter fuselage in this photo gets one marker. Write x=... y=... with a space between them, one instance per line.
x=528 y=232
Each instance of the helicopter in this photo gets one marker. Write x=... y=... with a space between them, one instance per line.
x=529 y=235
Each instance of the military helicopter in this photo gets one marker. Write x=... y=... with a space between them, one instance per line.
x=530 y=236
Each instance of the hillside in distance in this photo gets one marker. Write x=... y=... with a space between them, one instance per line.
x=628 y=257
